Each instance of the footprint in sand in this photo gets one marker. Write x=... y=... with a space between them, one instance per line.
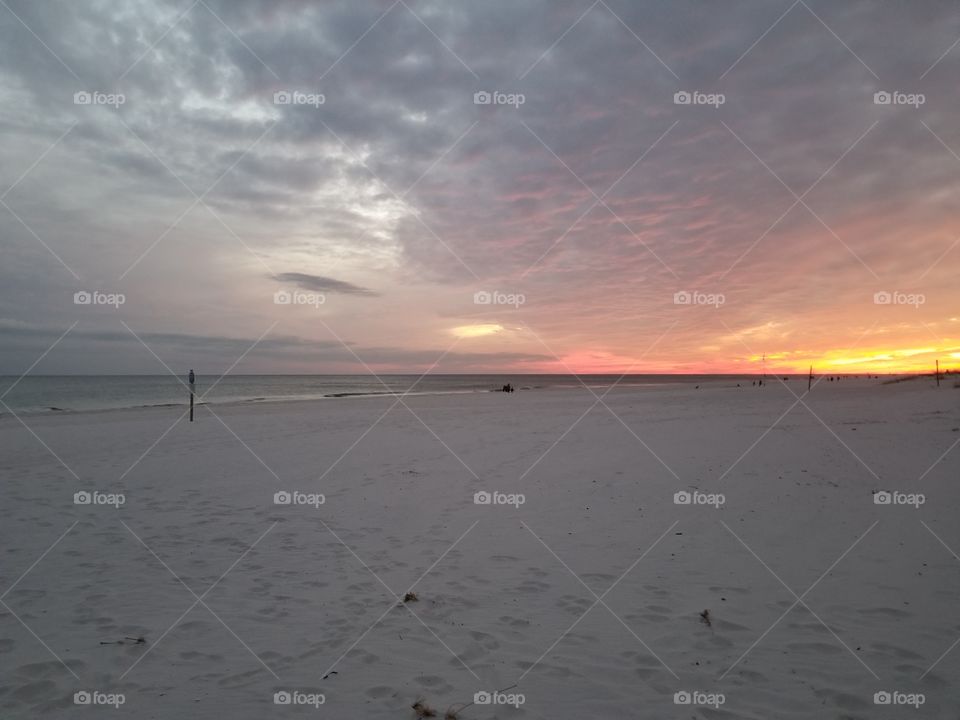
x=898 y=652
x=434 y=682
x=367 y=658
x=35 y=691
x=532 y=586
x=815 y=648
x=892 y=613
x=192 y=655
x=514 y=622
x=240 y=679
x=573 y=604
x=48 y=669
x=846 y=701
x=29 y=596
x=662 y=609
x=486 y=640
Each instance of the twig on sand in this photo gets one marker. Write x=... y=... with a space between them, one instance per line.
x=705 y=618
x=134 y=640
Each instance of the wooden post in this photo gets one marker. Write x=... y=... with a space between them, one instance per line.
x=193 y=379
x=938 y=372
x=810 y=378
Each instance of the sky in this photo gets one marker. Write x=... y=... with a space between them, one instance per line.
x=287 y=186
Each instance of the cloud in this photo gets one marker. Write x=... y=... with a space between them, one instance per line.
x=324 y=284
x=598 y=198
x=82 y=351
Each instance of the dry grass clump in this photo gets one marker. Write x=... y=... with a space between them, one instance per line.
x=423 y=710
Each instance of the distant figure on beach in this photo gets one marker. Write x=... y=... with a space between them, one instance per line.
x=508 y=388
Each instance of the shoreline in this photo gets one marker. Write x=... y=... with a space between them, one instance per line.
x=54 y=410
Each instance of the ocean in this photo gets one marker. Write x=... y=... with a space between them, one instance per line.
x=77 y=393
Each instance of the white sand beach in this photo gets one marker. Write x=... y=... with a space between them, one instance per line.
x=586 y=598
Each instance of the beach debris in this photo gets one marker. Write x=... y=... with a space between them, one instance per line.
x=332 y=672
x=423 y=710
x=127 y=639
x=411 y=596
x=705 y=618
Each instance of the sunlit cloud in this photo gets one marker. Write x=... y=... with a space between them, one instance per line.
x=475 y=331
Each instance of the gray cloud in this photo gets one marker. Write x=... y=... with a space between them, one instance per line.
x=80 y=351
x=324 y=284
